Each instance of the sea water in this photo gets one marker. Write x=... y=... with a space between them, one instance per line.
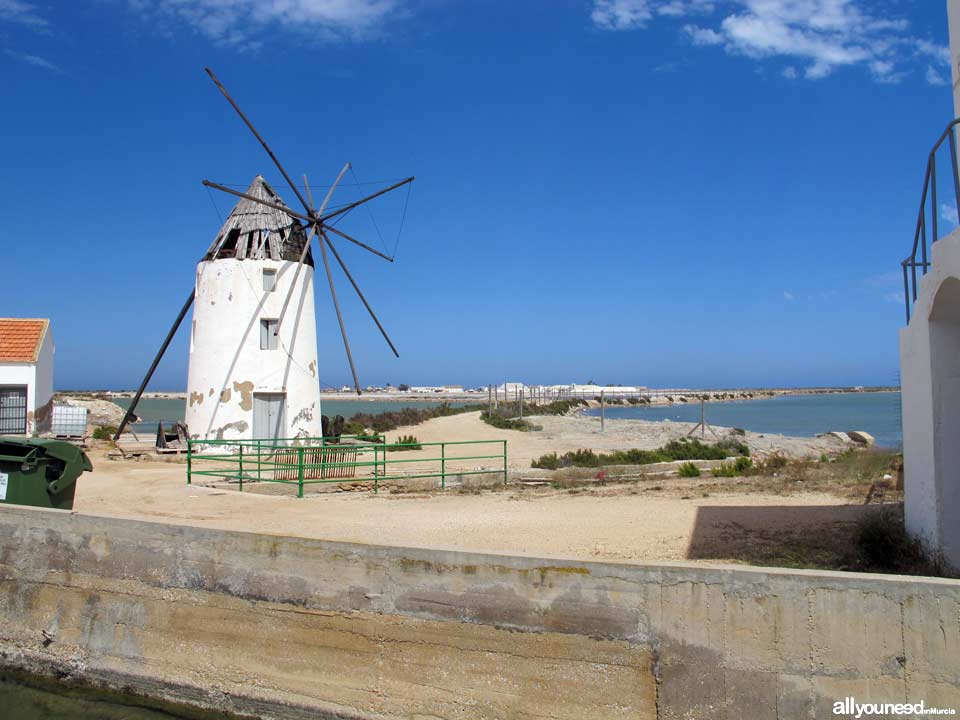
x=878 y=413
x=154 y=409
x=24 y=698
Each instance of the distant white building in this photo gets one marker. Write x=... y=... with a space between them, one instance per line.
x=26 y=375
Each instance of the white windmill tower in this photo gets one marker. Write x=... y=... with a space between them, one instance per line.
x=253 y=346
x=251 y=376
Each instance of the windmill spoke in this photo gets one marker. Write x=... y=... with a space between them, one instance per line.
x=275 y=206
x=356 y=242
x=351 y=206
x=306 y=186
x=296 y=274
x=336 y=305
x=332 y=188
x=356 y=287
x=262 y=141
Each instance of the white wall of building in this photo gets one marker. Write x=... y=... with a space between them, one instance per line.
x=227 y=366
x=953 y=17
x=43 y=393
x=930 y=386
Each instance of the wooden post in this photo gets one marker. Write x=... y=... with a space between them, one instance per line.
x=703 y=426
x=520 y=391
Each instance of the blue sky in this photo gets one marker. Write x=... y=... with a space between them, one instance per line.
x=661 y=192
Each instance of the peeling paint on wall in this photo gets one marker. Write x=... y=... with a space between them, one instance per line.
x=305 y=415
x=313 y=368
x=246 y=394
x=240 y=426
x=225 y=395
x=196 y=398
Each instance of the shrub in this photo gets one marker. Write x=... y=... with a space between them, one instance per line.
x=507 y=423
x=549 y=461
x=104 y=432
x=733 y=469
x=882 y=544
x=405 y=442
x=688 y=470
x=674 y=450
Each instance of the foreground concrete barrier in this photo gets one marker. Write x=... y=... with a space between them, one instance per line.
x=284 y=627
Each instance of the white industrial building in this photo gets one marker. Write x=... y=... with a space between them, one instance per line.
x=26 y=375
x=253 y=343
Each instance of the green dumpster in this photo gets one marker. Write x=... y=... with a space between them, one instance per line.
x=40 y=472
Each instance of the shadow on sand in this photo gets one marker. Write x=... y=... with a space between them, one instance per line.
x=799 y=536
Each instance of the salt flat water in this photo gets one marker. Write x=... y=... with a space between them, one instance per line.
x=878 y=413
x=154 y=409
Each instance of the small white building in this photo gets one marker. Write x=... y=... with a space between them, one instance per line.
x=26 y=375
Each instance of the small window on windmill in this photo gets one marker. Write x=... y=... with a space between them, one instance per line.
x=268 y=334
x=269 y=280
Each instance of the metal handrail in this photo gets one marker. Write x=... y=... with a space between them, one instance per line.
x=276 y=461
x=911 y=263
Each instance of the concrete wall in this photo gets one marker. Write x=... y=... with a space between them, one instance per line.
x=930 y=387
x=291 y=627
x=227 y=365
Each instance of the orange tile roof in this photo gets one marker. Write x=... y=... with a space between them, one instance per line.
x=21 y=338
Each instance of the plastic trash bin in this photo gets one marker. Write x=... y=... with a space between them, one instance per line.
x=40 y=472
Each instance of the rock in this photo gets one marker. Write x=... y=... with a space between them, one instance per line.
x=861 y=437
x=99 y=412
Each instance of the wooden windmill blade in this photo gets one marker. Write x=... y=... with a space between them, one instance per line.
x=317 y=222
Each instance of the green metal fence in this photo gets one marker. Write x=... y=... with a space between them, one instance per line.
x=309 y=461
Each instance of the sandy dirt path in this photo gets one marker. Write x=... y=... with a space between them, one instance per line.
x=639 y=523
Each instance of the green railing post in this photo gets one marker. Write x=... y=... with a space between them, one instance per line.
x=504 y=462
x=376 y=471
x=240 y=462
x=259 y=459
x=189 y=453
x=443 y=466
x=300 y=471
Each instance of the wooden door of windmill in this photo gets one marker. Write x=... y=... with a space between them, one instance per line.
x=268 y=415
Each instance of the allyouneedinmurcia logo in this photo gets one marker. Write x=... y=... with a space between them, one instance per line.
x=851 y=708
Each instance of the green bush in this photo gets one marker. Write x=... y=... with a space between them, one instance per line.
x=688 y=470
x=503 y=422
x=549 y=461
x=738 y=467
x=882 y=544
x=674 y=450
x=104 y=432
x=405 y=442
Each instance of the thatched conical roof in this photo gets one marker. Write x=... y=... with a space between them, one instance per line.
x=254 y=231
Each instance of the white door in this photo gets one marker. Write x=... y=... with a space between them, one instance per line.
x=268 y=415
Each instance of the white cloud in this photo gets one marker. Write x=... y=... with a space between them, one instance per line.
x=34 y=60
x=22 y=13
x=939 y=53
x=934 y=77
x=948 y=213
x=621 y=14
x=788 y=296
x=818 y=36
x=790 y=72
x=703 y=36
x=240 y=23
